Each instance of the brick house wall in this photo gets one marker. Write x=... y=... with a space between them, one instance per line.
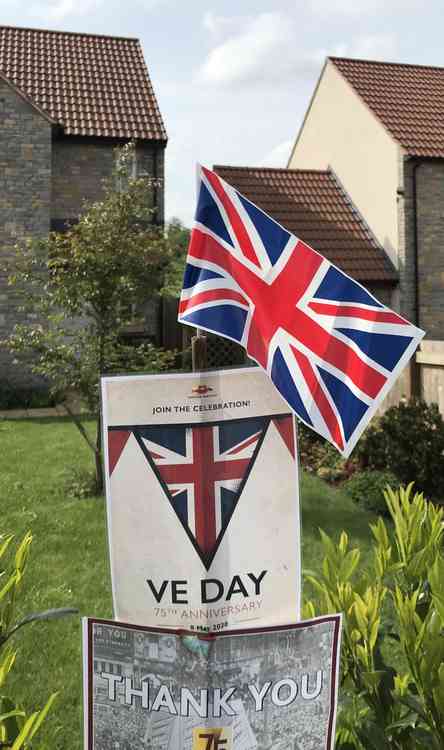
x=428 y=233
x=421 y=231
x=79 y=166
x=430 y=223
x=25 y=197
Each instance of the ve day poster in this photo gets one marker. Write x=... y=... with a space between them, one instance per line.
x=202 y=499
x=259 y=689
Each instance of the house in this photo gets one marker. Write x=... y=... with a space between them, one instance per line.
x=380 y=127
x=376 y=130
x=66 y=101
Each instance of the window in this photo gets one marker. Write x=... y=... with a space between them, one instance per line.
x=122 y=182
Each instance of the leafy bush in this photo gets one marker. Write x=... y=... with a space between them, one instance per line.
x=17 y=729
x=367 y=488
x=408 y=440
x=392 y=644
x=320 y=457
x=14 y=397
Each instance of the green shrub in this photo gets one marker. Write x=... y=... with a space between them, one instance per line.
x=408 y=440
x=367 y=488
x=17 y=729
x=15 y=397
x=392 y=656
x=320 y=457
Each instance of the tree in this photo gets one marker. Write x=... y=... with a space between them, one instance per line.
x=83 y=287
x=177 y=237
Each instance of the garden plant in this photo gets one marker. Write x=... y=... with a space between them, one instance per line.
x=17 y=728
x=392 y=666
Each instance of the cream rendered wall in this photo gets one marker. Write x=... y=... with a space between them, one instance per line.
x=341 y=132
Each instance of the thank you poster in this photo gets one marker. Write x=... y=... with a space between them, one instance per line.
x=265 y=689
x=202 y=497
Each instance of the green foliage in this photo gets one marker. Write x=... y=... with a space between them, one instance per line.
x=408 y=440
x=87 y=285
x=17 y=729
x=13 y=397
x=177 y=238
x=367 y=488
x=395 y=703
x=320 y=457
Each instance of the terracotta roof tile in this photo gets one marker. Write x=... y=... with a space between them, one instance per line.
x=408 y=100
x=91 y=85
x=312 y=205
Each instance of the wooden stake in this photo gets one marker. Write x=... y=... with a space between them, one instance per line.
x=199 y=352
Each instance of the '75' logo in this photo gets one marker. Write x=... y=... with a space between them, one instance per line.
x=212 y=738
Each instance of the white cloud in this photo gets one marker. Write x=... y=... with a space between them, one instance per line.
x=265 y=51
x=58 y=10
x=278 y=156
x=368 y=46
x=220 y=25
x=382 y=46
x=362 y=7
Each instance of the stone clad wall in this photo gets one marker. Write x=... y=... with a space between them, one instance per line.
x=43 y=180
x=430 y=229
x=25 y=194
x=430 y=217
x=79 y=166
x=428 y=375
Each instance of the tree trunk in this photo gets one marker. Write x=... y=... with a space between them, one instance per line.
x=98 y=456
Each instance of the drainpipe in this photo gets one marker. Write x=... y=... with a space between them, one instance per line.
x=416 y=368
x=156 y=214
x=416 y=166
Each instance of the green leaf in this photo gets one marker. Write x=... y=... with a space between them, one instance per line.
x=372 y=679
x=413 y=703
x=42 y=715
x=9 y=717
x=25 y=732
x=48 y=614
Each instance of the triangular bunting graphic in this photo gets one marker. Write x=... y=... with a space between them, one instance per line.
x=203 y=470
x=284 y=425
x=117 y=439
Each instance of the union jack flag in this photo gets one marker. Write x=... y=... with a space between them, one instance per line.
x=203 y=470
x=331 y=349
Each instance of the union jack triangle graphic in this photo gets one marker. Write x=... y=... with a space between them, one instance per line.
x=203 y=470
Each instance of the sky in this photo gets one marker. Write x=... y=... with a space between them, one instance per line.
x=233 y=79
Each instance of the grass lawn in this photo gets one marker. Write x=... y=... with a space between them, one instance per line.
x=69 y=562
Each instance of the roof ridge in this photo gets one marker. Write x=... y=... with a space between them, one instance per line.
x=71 y=33
x=269 y=169
x=334 y=58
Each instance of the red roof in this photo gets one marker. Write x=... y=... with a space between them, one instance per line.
x=408 y=100
x=91 y=85
x=313 y=205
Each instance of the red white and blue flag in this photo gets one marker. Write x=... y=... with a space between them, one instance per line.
x=331 y=349
x=203 y=469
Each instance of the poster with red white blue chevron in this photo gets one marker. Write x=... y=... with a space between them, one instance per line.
x=202 y=500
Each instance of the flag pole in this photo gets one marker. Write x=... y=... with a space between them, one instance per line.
x=199 y=356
